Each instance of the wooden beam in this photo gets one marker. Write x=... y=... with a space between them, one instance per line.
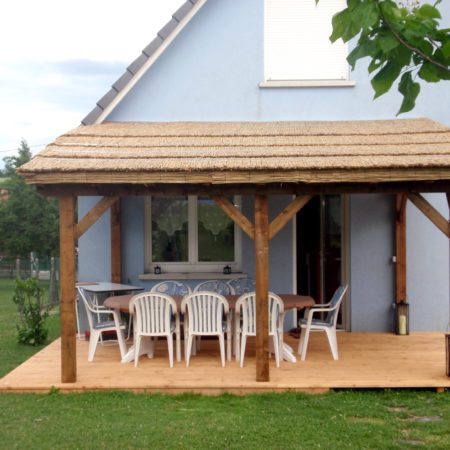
x=262 y=286
x=400 y=245
x=116 y=249
x=431 y=212
x=67 y=285
x=235 y=215
x=207 y=189
x=93 y=215
x=287 y=214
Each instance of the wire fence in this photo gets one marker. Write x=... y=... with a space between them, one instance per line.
x=43 y=268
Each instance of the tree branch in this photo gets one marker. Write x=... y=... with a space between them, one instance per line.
x=409 y=46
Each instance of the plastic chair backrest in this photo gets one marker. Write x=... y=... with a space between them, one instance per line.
x=247 y=303
x=205 y=311
x=242 y=285
x=217 y=286
x=89 y=307
x=152 y=313
x=171 y=287
x=335 y=303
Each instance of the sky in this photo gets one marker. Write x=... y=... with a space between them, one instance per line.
x=58 y=58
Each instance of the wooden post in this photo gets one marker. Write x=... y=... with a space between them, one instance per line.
x=67 y=282
x=400 y=244
x=262 y=286
x=116 y=250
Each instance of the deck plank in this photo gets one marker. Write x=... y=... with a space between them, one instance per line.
x=367 y=360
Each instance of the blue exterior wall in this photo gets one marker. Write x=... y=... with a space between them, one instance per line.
x=211 y=72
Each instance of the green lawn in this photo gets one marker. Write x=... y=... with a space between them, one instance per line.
x=119 y=420
x=12 y=353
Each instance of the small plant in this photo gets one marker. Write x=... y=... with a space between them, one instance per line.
x=28 y=298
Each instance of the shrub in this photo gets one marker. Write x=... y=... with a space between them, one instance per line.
x=28 y=298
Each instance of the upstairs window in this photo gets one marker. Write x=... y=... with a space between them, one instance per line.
x=297 y=44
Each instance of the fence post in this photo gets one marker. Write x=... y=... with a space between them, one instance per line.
x=17 y=268
x=36 y=267
x=53 y=291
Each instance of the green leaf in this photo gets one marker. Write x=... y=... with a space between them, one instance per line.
x=387 y=42
x=429 y=72
x=344 y=27
x=385 y=77
x=374 y=65
x=360 y=51
x=445 y=49
x=429 y=11
x=410 y=90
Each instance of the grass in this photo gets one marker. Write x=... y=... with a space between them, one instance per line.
x=12 y=353
x=118 y=420
x=339 y=420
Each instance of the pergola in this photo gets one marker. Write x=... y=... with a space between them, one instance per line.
x=303 y=159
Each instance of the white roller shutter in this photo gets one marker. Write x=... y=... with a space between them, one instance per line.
x=296 y=41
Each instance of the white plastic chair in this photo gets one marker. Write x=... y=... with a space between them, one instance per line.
x=217 y=286
x=242 y=286
x=97 y=327
x=155 y=315
x=246 y=309
x=204 y=313
x=171 y=287
x=328 y=325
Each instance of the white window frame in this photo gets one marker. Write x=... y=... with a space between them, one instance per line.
x=192 y=265
x=291 y=79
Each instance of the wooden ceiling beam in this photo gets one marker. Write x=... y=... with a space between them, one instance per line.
x=128 y=189
x=287 y=214
x=93 y=215
x=430 y=212
x=235 y=215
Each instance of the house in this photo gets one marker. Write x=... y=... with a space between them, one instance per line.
x=213 y=107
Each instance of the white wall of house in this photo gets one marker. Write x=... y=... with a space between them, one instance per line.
x=212 y=72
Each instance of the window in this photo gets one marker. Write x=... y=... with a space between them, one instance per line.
x=296 y=41
x=189 y=234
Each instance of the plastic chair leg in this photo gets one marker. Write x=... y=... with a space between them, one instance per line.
x=188 y=349
x=93 y=341
x=332 y=341
x=170 y=348
x=222 y=349
x=243 y=343
x=305 y=343
x=137 y=347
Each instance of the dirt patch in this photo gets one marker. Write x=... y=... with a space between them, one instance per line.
x=372 y=420
x=397 y=408
x=425 y=419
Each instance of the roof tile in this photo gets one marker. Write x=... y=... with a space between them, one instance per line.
x=165 y=31
x=180 y=14
x=107 y=98
x=122 y=81
x=153 y=46
x=92 y=116
x=137 y=63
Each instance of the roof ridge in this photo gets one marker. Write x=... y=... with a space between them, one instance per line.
x=123 y=81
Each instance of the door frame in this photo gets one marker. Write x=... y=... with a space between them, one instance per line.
x=345 y=257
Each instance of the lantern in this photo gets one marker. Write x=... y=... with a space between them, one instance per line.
x=402 y=319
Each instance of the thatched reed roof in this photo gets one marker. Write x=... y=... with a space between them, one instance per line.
x=246 y=152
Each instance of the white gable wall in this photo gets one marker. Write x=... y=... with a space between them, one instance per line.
x=212 y=72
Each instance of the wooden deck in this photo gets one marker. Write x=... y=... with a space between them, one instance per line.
x=367 y=360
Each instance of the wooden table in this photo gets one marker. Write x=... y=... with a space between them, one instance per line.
x=291 y=301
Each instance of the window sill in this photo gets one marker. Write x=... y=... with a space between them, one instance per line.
x=306 y=83
x=192 y=276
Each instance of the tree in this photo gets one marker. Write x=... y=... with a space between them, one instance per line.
x=402 y=39
x=13 y=162
x=28 y=221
